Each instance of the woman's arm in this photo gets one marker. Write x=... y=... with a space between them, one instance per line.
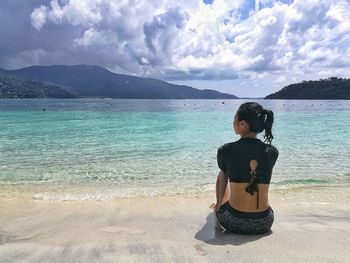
x=221 y=187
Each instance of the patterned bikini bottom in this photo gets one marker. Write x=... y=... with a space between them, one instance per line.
x=244 y=222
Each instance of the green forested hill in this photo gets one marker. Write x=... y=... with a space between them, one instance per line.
x=331 y=88
x=15 y=87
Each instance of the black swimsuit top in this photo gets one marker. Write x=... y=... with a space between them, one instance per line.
x=248 y=160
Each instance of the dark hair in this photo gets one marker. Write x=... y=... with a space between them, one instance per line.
x=258 y=118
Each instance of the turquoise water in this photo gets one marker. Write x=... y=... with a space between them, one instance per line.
x=105 y=148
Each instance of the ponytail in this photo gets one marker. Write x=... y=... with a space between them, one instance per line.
x=268 y=125
x=258 y=118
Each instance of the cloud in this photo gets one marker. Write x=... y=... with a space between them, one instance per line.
x=74 y=12
x=39 y=17
x=160 y=31
x=92 y=37
x=184 y=40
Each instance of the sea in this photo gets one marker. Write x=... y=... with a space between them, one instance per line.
x=102 y=149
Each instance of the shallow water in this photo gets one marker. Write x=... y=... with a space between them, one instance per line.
x=109 y=148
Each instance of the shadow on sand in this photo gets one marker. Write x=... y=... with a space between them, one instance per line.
x=211 y=234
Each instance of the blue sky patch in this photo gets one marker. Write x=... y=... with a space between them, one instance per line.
x=208 y=2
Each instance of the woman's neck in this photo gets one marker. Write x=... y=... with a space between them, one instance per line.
x=253 y=136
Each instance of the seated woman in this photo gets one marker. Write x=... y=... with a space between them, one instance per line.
x=242 y=203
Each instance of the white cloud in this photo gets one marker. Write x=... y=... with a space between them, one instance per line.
x=94 y=38
x=39 y=17
x=190 y=40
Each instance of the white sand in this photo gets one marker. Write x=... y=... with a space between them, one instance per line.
x=311 y=225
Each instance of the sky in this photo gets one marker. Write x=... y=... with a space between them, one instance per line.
x=249 y=48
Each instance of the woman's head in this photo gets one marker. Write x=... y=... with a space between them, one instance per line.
x=251 y=117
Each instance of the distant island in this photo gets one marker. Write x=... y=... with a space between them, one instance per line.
x=88 y=81
x=332 y=88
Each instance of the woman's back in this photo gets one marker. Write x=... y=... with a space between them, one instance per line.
x=241 y=161
x=244 y=202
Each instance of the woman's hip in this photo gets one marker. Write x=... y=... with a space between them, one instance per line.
x=245 y=222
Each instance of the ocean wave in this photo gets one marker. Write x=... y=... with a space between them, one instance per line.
x=104 y=192
x=302 y=181
x=121 y=193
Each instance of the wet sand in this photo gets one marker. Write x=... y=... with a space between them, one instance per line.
x=311 y=225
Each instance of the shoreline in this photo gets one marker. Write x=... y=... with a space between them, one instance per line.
x=310 y=225
x=88 y=192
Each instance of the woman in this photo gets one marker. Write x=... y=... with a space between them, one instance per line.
x=242 y=203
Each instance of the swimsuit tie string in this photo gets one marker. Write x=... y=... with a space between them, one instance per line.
x=253 y=187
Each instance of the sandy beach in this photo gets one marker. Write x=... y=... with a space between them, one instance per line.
x=311 y=225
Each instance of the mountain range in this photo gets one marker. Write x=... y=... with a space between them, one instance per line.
x=94 y=81
x=89 y=81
